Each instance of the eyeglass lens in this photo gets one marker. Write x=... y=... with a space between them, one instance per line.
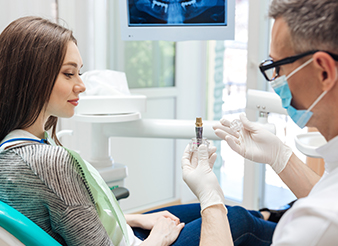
x=271 y=73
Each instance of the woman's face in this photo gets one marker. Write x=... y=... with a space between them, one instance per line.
x=68 y=85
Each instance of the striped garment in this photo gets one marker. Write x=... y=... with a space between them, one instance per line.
x=42 y=182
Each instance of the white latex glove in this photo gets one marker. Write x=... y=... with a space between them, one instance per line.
x=200 y=178
x=255 y=143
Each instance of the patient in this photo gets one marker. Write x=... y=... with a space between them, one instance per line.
x=40 y=81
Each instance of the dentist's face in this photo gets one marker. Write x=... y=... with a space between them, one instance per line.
x=68 y=85
x=301 y=83
x=174 y=11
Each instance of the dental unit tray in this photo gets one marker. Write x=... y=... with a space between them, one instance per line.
x=105 y=109
x=111 y=105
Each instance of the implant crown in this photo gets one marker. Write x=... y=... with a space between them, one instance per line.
x=198 y=122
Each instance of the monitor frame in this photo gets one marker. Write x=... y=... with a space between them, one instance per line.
x=177 y=32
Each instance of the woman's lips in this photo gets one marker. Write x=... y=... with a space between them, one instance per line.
x=75 y=102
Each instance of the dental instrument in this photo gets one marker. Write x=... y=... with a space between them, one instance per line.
x=199 y=130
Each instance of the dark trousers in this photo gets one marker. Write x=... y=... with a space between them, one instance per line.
x=247 y=226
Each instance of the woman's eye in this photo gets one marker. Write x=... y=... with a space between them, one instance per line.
x=69 y=75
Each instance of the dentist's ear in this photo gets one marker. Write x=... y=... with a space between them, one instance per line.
x=328 y=72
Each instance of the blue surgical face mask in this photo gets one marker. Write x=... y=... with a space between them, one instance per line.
x=281 y=87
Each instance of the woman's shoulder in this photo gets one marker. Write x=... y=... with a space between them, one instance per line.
x=57 y=168
x=46 y=161
x=43 y=153
x=31 y=152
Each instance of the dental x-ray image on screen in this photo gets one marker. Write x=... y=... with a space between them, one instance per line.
x=177 y=20
x=177 y=12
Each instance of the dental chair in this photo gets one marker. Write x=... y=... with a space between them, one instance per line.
x=17 y=230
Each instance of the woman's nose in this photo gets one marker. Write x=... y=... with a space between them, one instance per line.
x=80 y=86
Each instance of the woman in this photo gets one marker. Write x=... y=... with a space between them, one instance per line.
x=39 y=81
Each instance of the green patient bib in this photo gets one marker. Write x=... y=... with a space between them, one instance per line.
x=106 y=204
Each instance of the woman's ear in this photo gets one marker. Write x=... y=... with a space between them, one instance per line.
x=328 y=72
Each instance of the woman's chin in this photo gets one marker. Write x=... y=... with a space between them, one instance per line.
x=66 y=115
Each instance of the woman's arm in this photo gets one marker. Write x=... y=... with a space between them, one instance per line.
x=147 y=221
x=80 y=225
x=72 y=212
x=164 y=232
x=165 y=227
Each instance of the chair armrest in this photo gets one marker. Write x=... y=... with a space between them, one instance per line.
x=120 y=192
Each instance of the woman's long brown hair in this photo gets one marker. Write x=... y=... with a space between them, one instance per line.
x=32 y=50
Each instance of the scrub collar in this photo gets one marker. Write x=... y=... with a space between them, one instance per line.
x=330 y=154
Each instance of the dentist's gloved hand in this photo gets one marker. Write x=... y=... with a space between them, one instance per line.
x=255 y=143
x=200 y=178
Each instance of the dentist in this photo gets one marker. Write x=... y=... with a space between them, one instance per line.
x=303 y=71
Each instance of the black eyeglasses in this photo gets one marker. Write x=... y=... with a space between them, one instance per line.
x=270 y=69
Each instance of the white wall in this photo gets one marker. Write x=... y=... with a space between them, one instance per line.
x=78 y=15
x=13 y=9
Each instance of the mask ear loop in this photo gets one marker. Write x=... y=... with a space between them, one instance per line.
x=321 y=96
x=311 y=107
x=318 y=99
x=299 y=68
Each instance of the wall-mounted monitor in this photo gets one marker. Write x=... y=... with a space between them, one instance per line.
x=177 y=20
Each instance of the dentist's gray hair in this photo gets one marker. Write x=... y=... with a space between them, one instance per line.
x=313 y=23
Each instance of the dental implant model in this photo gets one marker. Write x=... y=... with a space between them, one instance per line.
x=199 y=131
x=196 y=142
